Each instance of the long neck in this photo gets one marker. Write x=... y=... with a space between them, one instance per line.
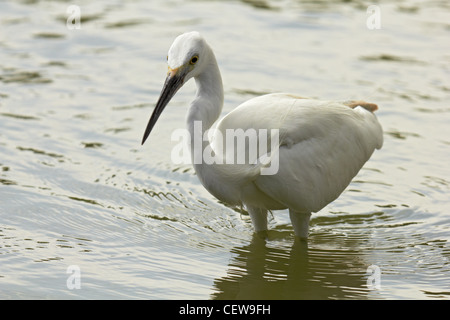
x=205 y=109
x=221 y=180
x=208 y=102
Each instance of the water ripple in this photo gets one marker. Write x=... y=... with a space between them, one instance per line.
x=76 y=187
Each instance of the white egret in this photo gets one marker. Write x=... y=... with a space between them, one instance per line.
x=321 y=144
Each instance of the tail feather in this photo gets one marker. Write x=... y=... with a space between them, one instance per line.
x=372 y=107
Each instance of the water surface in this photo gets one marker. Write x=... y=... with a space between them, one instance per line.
x=77 y=189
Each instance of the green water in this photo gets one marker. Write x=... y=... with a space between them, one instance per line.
x=77 y=189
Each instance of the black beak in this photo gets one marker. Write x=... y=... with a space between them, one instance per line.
x=173 y=82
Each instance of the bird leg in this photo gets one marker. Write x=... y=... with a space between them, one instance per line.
x=300 y=222
x=259 y=218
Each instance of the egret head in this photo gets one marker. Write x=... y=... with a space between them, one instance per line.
x=187 y=57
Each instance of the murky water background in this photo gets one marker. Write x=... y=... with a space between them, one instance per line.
x=77 y=189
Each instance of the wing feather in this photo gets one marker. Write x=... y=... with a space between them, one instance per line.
x=322 y=146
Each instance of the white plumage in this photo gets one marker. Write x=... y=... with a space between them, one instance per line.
x=320 y=147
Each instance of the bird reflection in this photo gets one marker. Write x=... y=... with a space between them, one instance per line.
x=265 y=271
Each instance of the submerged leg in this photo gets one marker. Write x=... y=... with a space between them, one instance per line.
x=259 y=218
x=300 y=222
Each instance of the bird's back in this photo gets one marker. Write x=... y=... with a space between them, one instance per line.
x=322 y=146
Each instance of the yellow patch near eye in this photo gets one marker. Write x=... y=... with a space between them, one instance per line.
x=172 y=71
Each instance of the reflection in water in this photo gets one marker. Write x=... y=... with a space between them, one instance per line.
x=303 y=271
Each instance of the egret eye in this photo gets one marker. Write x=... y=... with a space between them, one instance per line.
x=194 y=60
